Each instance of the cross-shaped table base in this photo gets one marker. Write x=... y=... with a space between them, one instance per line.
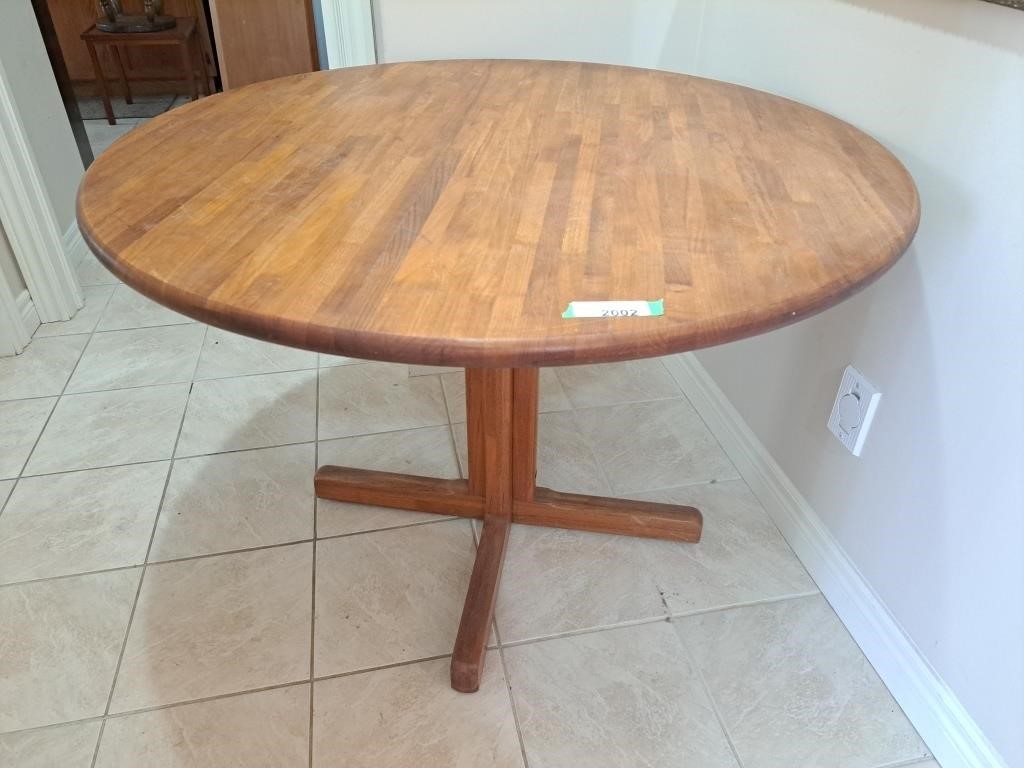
x=501 y=408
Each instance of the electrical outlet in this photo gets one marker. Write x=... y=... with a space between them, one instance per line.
x=853 y=410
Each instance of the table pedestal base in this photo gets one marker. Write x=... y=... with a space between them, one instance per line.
x=501 y=408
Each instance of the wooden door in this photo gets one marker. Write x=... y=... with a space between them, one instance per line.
x=262 y=39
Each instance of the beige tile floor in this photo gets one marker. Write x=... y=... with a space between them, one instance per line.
x=172 y=594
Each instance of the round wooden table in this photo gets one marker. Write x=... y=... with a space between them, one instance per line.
x=448 y=212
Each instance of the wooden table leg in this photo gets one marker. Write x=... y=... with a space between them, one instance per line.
x=501 y=409
x=190 y=71
x=200 y=58
x=124 y=72
x=489 y=394
x=101 y=82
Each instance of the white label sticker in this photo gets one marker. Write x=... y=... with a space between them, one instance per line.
x=614 y=309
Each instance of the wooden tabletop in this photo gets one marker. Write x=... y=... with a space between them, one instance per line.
x=448 y=212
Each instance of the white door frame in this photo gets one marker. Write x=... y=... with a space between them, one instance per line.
x=348 y=32
x=14 y=333
x=29 y=220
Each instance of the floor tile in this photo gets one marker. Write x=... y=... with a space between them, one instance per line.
x=101 y=134
x=102 y=429
x=648 y=446
x=269 y=729
x=138 y=357
x=740 y=558
x=80 y=521
x=377 y=397
x=794 y=689
x=229 y=354
x=630 y=382
x=552 y=397
x=85 y=320
x=91 y=273
x=5 y=490
x=65 y=746
x=235 y=501
x=390 y=596
x=427 y=452
x=129 y=309
x=624 y=697
x=23 y=420
x=249 y=412
x=557 y=581
x=144 y=105
x=564 y=462
x=42 y=369
x=218 y=625
x=60 y=642
x=410 y=716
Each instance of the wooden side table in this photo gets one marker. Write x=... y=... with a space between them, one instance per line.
x=183 y=35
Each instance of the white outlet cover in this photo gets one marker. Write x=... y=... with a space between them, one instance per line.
x=853 y=410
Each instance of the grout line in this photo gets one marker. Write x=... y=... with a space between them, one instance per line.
x=59 y=577
x=188 y=321
x=617 y=403
x=48 y=726
x=746 y=604
x=511 y=700
x=381 y=667
x=692 y=660
x=586 y=631
x=312 y=599
x=451 y=431
x=203 y=699
x=907 y=763
x=142 y=577
x=232 y=694
x=169 y=458
x=38 y=397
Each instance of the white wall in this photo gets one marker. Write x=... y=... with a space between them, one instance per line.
x=34 y=87
x=932 y=512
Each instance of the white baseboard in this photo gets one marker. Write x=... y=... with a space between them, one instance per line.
x=27 y=310
x=75 y=248
x=946 y=727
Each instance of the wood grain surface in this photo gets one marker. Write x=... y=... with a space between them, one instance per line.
x=447 y=212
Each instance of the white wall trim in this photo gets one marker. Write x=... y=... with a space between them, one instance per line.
x=29 y=220
x=14 y=330
x=27 y=310
x=948 y=730
x=348 y=33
